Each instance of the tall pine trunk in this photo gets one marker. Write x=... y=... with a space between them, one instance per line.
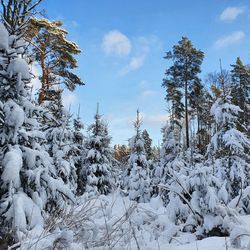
x=186 y=114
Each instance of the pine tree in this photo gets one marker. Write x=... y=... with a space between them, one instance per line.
x=137 y=172
x=121 y=154
x=55 y=55
x=181 y=76
x=200 y=105
x=174 y=96
x=29 y=185
x=241 y=93
x=97 y=165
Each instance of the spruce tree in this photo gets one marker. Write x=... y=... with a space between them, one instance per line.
x=229 y=147
x=29 y=184
x=97 y=166
x=169 y=157
x=137 y=172
x=147 y=144
x=60 y=141
x=80 y=152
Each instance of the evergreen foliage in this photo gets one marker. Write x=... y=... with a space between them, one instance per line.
x=97 y=166
x=29 y=181
x=137 y=173
x=180 y=77
x=55 y=55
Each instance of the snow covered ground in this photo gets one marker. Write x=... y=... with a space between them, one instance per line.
x=115 y=222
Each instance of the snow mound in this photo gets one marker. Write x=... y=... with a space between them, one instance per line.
x=4 y=36
x=12 y=163
x=14 y=115
x=19 y=66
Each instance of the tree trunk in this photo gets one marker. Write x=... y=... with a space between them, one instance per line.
x=186 y=114
x=42 y=92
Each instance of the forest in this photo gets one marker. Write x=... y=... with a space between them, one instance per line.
x=64 y=186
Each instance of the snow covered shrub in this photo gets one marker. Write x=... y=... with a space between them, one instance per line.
x=194 y=197
x=229 y=148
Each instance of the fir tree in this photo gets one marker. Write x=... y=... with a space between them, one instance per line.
x=169 y=157
x=80 y=152
x=29 y=185
x=229 y=148
x=137 y=173
x=147 y=144
x=97 y=165
x=60 y=142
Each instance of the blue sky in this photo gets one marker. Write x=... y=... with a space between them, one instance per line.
x=123 y=44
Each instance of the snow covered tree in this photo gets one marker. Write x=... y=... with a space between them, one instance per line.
x=78 y=127
x=29 y=185
x=147 y=144
x=210 y=216
x=60 y=142
x=97 y=165
x=171 y=143
x=196 y=198
x=156 y=177
x=229 y=148
x=80 y=152
x=137 y=172
x=171 y=159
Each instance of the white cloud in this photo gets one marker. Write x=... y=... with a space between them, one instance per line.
x=116 y=43
x=230 y=39
x=231 y=13
x=69 y=99
x=141 y=48
x=135 y=63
